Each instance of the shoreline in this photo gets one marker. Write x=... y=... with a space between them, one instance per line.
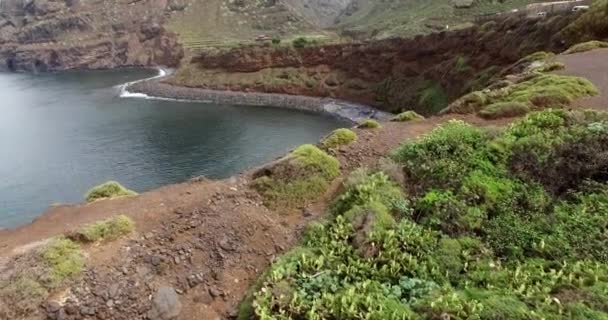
x=153 y=88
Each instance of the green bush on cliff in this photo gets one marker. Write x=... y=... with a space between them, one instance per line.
x=370 y=124
x=407 y=116
x=586 y=46
x=64 y=259
x=110 y=229
x=550 y=84
x=490 y=226
x=108 y=190
x=432 y=96
x=300 y=42
x=24 y=296
x=504 y=110
x=302 y=176
x=339 y=137
x=536 y=90
x=538 y=56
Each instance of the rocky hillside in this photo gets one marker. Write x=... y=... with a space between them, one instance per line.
x=41 y=35
x=45 y=35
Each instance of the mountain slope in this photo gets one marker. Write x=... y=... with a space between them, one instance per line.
x=410 y=17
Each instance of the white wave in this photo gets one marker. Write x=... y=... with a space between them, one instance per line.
x=124 y=88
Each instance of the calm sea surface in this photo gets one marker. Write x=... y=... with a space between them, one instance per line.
x=61 y=134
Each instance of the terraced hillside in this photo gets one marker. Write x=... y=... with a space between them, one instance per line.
x=220 y=23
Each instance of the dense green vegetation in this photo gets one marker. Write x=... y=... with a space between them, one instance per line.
x=303 y=175
x=108 y=190
x=338 y=138
x=490 y=224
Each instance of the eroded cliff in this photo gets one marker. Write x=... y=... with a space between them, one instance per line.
x=422 y=73
x=50 y=35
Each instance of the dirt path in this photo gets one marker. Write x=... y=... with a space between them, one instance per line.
x=209 y=240
x=592 y=65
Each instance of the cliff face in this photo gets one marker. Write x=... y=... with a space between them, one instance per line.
x=423 y=73
x=50 y=35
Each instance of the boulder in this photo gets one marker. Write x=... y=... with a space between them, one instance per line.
x=165 y=305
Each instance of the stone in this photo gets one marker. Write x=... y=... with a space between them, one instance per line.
x=165 y=305
x=71 y=309
x=214 y=292
x=86 y=311
x=62 y=315
x=224 y=244
x=53 y=306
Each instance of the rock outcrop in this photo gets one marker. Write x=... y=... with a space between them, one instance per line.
x=47 y=35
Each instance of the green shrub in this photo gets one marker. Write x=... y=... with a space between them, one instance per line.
x=504 y=110
x=373 y=213
x=338 y=138
x=276 y=41
x=551 y=84
x=108 y=190
x=486 y=238
x=469 y=103
x=586 y=46
x=407 y=116
x=110 y=229
x=303 y=175
x=433 y=97
x=300 y=42
x=64 y=259
x=23 y=294
x=460 y=65
x=367 y=188
x=536 y=88
x=550 y=67
x=370 y=124
x=442 y=157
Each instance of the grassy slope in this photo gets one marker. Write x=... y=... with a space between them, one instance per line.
x=410 y=17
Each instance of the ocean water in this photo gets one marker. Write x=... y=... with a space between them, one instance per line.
x=61 y=134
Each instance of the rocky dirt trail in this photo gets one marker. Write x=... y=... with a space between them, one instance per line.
x=592 y=65
x=199 y=245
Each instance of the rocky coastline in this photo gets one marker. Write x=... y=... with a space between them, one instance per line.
x=155 y=88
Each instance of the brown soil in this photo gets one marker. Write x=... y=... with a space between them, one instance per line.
x=592 y=65
x=209 y=240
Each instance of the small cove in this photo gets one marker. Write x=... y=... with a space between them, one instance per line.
x=61 y=134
